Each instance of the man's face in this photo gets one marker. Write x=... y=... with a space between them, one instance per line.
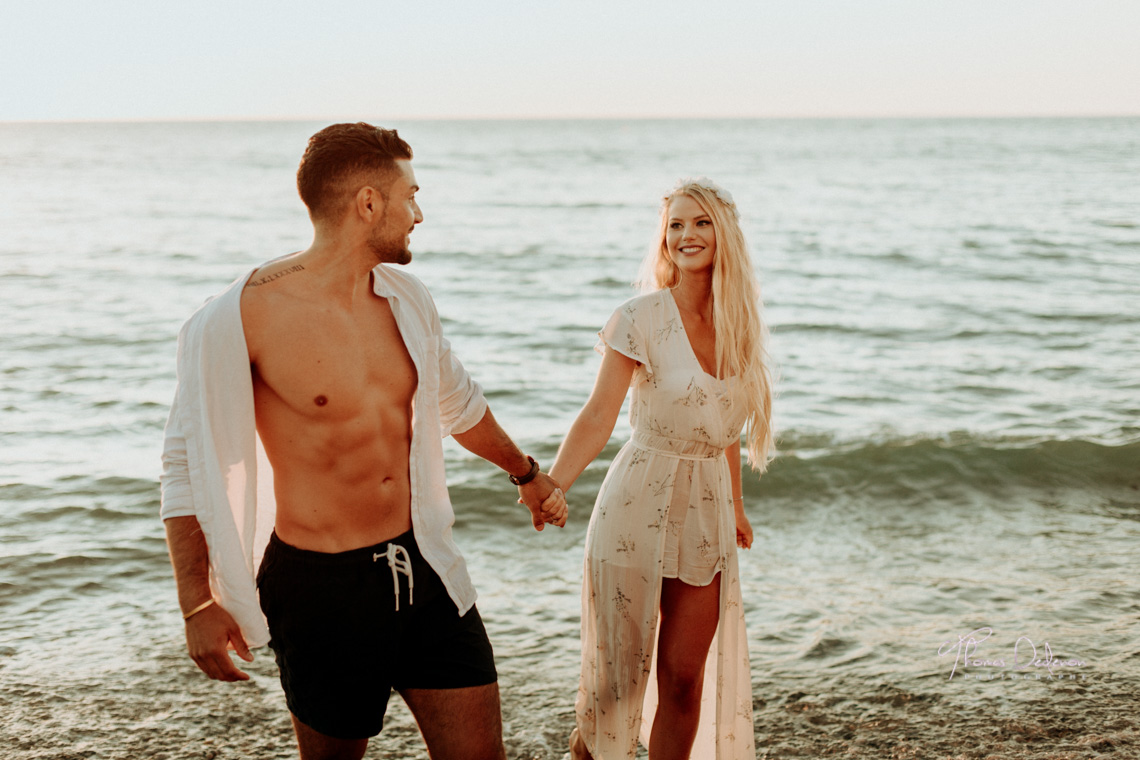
x=392 y=231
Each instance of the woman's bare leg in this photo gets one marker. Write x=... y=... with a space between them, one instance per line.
x=578 y=750
x=689 y=616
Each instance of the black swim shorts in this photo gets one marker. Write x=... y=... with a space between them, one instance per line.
x=341 y=643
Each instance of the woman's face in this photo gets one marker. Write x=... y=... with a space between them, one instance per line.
x=689 y=235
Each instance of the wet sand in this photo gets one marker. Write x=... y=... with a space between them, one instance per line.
x=163 y=709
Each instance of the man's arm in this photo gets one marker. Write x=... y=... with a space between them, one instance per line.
x=210 y=631
x=489 y=441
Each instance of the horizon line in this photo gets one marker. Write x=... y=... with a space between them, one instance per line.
x=523 y=118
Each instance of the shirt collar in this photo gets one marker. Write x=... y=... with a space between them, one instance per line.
x=382 y=281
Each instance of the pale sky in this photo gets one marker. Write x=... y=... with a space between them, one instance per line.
x=205 y=59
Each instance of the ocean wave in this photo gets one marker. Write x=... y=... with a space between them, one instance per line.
x=924 y=469
x=78 y=500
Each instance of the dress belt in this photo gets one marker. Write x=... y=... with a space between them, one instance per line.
x=655 y=444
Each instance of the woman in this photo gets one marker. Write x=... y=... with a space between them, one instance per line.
x=664 y=652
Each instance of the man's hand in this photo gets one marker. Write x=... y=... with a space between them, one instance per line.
x=545 y=500
x=542 y=496
x=555 y=510
x=208 y=635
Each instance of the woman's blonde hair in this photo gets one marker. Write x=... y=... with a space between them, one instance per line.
x=741 y=337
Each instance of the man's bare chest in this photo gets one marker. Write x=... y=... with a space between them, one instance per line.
x=337 y=364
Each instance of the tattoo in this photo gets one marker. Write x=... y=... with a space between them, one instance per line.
x=272 y=277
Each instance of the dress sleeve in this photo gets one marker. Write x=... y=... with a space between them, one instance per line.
x=625 y=334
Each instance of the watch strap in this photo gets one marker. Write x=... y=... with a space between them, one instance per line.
x=529 y=476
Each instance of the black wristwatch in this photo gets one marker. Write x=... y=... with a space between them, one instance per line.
x=529 y=476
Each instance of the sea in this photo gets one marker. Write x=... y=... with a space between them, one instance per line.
x=945 y=561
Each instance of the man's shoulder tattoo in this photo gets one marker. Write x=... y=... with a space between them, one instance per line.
x=271 y=277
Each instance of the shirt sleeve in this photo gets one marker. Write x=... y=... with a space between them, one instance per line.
x=177 y=499
x=624 y=334
x=461 y=401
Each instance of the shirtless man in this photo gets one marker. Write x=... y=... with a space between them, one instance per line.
x=336 y=358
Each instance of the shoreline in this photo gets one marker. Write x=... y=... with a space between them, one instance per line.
x=164 y=709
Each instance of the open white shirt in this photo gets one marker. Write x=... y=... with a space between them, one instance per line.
x=215 y=468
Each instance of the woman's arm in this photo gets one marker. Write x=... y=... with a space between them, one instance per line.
x=743 y=527
x=591 y=430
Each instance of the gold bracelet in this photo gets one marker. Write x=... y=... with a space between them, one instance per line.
x=738 y=498
x=199 y=608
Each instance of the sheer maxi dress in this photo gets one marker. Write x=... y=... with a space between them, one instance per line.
x=664 y=510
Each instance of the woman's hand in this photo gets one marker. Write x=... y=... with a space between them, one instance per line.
x=743 y=528
x=552 y=509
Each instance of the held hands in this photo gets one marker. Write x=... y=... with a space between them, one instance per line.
x=545 y=500
x=209 y=634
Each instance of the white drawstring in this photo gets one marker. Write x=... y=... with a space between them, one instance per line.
x=398 y=566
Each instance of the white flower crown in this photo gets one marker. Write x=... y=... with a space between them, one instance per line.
x=722 y=195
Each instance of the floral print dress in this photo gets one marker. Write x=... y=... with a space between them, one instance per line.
x=664 y=510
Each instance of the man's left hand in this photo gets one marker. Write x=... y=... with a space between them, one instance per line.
x=545 y=500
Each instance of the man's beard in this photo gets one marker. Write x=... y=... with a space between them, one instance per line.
x=390 y=250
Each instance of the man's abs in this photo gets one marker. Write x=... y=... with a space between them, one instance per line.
x=333 y=396
x=341 y=481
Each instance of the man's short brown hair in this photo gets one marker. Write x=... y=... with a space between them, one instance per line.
x=342 y=158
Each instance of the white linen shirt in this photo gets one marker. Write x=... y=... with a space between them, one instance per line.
x=215 y=468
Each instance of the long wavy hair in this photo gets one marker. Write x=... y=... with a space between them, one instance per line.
x=741 y=336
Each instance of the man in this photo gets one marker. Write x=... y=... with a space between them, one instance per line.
x=311 y=399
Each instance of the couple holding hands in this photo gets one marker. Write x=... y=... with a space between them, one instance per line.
x=305 y=502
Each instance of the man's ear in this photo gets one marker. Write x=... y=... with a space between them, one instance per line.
x=369 y=203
